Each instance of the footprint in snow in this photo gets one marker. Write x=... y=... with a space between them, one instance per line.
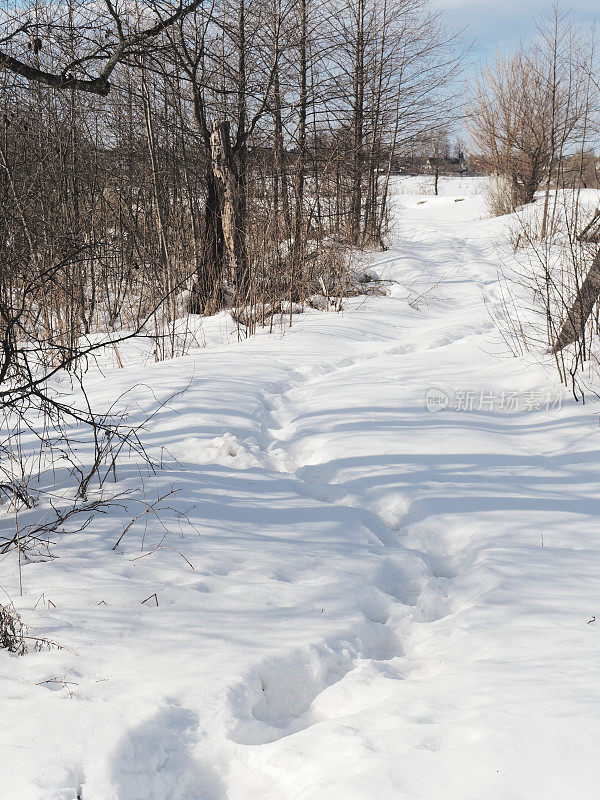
x=276 y=698
x=226 y=450
x=154 y=761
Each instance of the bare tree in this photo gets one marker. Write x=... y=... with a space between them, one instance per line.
x=528 y=108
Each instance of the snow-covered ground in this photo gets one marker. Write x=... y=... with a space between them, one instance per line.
x=383 y=583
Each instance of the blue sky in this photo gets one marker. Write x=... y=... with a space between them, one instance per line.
x=502 y=23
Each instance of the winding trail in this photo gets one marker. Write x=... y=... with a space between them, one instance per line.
x=449 y=704
x=385 y=603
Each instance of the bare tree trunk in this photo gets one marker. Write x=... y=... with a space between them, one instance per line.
x=573 y=328
x=207 y=292
x=552 y=130
x=301 y=163
x=156 y=189
x=358 y=122
x=280 y=188
x=232 y=209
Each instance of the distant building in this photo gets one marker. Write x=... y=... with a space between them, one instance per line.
x=446 y=165
x=431 y=165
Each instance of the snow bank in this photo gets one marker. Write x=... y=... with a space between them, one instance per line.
x=355 y=597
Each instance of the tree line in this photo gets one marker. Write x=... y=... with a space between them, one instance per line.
x=166 y=158
x=218 y=154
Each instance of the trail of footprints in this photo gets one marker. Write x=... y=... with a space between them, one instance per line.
x=279 y=697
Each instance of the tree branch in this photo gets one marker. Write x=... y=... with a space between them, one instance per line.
x=99 y=85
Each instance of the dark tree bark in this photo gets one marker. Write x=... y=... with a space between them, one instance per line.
x=207 y=292
x=573 y=328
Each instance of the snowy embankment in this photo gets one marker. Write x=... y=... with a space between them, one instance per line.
x=383 y=599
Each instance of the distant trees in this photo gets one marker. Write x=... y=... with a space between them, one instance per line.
x=529 y=109
x=510 y=124
x=393 y=64
x=534 y=117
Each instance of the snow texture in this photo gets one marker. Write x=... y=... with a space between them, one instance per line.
x=383 y=603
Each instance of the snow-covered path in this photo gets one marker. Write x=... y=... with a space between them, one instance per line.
x=385 y=602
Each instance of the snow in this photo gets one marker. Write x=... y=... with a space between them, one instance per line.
x=358 y=598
